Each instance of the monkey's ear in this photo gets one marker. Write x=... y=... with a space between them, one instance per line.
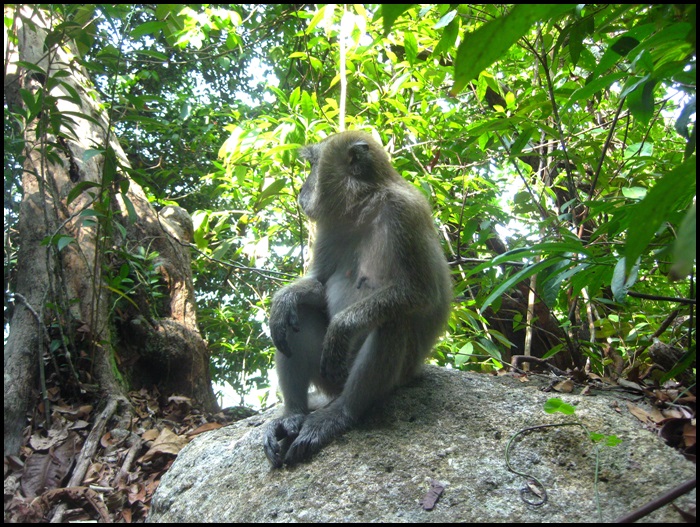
x=360 y=159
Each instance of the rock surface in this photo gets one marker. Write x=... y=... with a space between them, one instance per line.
x=448 y=426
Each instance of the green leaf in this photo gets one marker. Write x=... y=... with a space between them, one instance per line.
x=490 y=348
x=671 y=33
x=73 y=95
x=273 y=189
x=517 y=277
x=521 y=141
x=59 y=240
x=449 y=36
x=621 y=281
x=410 y=46
x=684 y=119
x=486 y=45
x=446 y=20
x=636 y=193
x=79 y=189
x=133 y=217
x=549 y=281
x=686 y=361
x=30 y=66
x=593 y=87
x=641 y=101
x=612 y=441
x=85 y=116
x=200 y=222
x=122 y=295
x=596 y=437
x=611 y=56
x=390 y=12
x=31 y=101
x=147 y=28
x=318 y=16
x=63 y=241
x=553 y=351
x=624 y=45
x=684 y=248
x=577 y=33
x=554 y=405
x=671 y=191
x=464 y=354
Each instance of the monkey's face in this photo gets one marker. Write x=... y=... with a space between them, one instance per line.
x=309 y=194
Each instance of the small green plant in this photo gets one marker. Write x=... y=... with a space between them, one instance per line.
x=138 y=277
x=534 y=486
x=554 y=405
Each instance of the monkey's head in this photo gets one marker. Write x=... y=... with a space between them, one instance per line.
x=347 y=170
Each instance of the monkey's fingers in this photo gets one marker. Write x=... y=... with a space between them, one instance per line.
x=276 y=431
x=283 y=347
x=293 y=320
x=279 y=434
x=312 y=437
x=303 y=447
x=272 y=449
x=279 y=339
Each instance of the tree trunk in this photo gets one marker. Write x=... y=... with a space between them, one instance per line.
x=109 y=299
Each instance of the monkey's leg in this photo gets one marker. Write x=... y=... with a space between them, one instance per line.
x=295 y=373
x=375 y=372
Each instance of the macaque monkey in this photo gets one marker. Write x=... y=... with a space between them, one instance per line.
x=377 y=295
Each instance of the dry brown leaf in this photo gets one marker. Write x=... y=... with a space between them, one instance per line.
x=566 y=386
x=206 y=427
x=640 y=413
x=689 y=434
x=150 y=435
x=168 y=442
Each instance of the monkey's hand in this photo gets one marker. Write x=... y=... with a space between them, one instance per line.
x=334 y=359
x=279 y=436
x=283 y=315
x=284 y=312
x=318 y=430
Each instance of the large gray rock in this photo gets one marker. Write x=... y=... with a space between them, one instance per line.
x=448 y=426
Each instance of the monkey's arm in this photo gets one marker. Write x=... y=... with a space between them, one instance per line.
x=400 y=274
x=360 y=318
x=284 y=310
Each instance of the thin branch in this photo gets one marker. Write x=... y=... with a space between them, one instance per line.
x=645 y=296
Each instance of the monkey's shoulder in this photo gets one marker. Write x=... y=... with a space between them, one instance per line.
x=403 y=196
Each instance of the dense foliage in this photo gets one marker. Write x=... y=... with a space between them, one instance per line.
x=555 y=143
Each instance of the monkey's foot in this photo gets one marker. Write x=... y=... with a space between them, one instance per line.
x=279 y=435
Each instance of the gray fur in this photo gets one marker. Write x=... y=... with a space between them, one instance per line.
x=375 y=299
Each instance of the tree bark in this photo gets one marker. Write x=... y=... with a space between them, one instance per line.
x=143 y=343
